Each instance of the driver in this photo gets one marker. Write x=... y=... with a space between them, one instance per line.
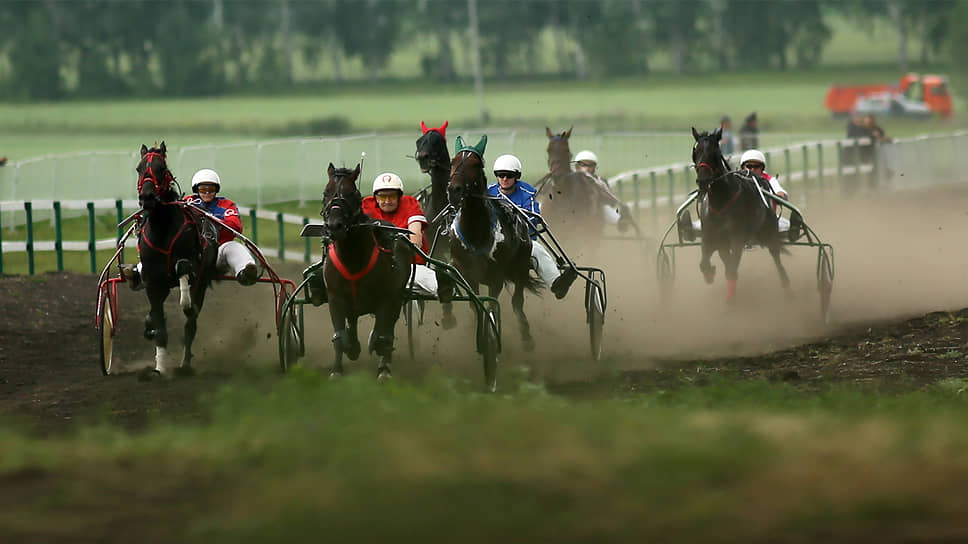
x=233 y=257
x=615 y=211
x=390 y=204
x=507 y=170
x=754 y=162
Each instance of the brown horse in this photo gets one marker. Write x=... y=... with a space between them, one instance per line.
x=570 y=201
x=177 y=248
x=733 y=213
x=366 y=272
x=490 y=242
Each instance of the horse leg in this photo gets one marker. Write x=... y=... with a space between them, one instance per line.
x=775 y=250
x=191 y=327
x=381 y=339
x=517 y=303
x=157 y=328
x=731 y=256
x=708 y=270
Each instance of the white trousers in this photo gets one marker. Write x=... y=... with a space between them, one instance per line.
x=424 y=279
x=232 y=258
x=543 y=263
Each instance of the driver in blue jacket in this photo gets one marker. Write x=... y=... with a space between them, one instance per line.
x=507 y=170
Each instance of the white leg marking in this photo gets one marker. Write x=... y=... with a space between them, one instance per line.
x=186 y=296
x=161 y=360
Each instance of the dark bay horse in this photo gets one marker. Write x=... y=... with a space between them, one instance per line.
x=569 y=200
x=433 y=157
x=733 y=213
x=490 y=242
x=366 y=272
x=177 y=247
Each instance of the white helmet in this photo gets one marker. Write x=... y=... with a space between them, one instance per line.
x=507 y=163
x=206 y=175
x=387 y=180
x=752 y=155
x=586 y=156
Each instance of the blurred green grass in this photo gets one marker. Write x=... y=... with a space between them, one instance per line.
x=724 y=462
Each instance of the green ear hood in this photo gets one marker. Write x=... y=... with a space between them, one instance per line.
x=479 y=148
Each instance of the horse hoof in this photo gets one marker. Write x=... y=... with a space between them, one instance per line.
x=709 y=276
x=353 y=353
x=448 y=322
x=185 y=371
x=149 y=374
x=334 y=376
x=384 y=376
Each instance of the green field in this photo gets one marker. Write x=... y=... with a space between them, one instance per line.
x=289 y=460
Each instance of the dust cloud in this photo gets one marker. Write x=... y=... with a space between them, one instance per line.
x=897 y=254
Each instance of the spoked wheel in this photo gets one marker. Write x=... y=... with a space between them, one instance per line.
x=825 y=282
x=595 y=315
x=663 y=271
x=106 y=326
x=489 y=344
x=292 y=343
x=410 y=317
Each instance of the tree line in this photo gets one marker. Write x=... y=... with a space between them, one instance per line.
x=101 y=48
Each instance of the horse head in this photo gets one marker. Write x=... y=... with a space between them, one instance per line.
x=467 y=176
x=432 y=147
x=559 y=153
x=711 y=166
x=342 y=201
x=154 y=178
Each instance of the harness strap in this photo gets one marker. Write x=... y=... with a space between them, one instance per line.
x=464 y=242
x=353 y=277
x=188 y=219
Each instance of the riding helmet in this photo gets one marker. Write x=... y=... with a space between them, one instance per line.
x=206 y=175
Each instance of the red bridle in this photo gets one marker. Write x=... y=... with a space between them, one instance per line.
x=161 y=185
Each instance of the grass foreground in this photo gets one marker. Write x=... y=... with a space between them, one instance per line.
x=305 y=459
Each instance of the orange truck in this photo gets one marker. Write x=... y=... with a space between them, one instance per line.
x=931 y=90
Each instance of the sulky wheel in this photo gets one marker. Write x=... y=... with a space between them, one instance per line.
x=410 y=311
x=825 y=283
x=663 y=271
x=595 y=312
x=106 y=327
x=292 y=343
x=490 y=347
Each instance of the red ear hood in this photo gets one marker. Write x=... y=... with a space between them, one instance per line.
x=442 y=129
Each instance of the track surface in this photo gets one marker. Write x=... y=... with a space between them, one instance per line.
x=898 y=296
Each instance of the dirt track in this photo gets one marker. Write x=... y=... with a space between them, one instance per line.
x=898 y=256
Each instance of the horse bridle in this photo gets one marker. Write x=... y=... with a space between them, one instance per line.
x=464 y=154
x=338 y=201
x=161 y=185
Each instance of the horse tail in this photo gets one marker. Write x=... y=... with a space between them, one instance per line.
x=533 y=284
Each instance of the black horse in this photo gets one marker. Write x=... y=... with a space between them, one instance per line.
x=433 y=157
x=489 y=239
x=570 y=200
x=177 y=247
x=366 y=272
x=733 y=212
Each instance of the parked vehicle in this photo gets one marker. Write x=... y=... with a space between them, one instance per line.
x=931 y=91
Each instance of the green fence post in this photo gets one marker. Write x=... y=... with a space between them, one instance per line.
x=282 y=237
x=687 y=180
x=90 y=236
x=28 y=207
x=840 y=164
x=806 y=164
x=820 y=166
x=620 y=188
x=1 y=243
x=635 y=192
x=307 y=256
x=255 y=227
x=672 y=188
x=119 y=206
x=654 y=191
x=786 y=159
x=58 y=236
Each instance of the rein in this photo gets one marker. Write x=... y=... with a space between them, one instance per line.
x=187 y=219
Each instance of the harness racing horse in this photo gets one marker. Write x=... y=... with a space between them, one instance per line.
x=490 y=242
x=569 y=200
x=433 y=158
x=366 y=271
x=177 y=247
x=733 y=213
